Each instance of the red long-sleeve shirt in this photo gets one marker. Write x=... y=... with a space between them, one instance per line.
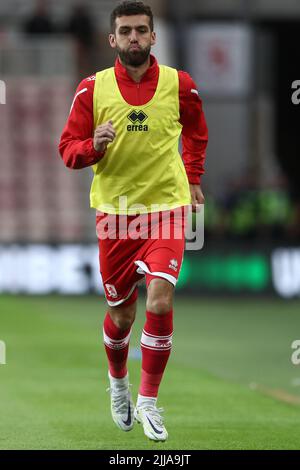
x=76 y=144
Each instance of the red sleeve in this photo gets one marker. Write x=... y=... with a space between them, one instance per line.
x=76 y=143
x=194 y=131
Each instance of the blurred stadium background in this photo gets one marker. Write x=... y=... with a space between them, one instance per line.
x=238 y=308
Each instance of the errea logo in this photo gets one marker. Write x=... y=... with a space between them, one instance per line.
x=137 y=118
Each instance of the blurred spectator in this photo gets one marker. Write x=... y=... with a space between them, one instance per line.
x=39 y=22
x=80 y=27
x=249 y=212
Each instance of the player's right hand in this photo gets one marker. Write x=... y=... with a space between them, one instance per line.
x=104 y=135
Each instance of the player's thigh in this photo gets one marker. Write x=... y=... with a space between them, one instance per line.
x=118 y=271
x=160 y=293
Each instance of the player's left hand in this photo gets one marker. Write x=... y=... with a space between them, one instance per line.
x=196 y=196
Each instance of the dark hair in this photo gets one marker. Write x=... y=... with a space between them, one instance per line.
x=130 y=8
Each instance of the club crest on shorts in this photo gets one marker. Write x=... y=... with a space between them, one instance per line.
x=112 y=291
x=173 y=264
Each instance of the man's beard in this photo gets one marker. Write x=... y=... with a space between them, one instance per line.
x=134 y=58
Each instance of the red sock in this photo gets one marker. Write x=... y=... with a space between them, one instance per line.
x=156 y=343
x=116 y=344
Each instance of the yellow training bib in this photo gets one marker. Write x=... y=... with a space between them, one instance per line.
x=142 y=165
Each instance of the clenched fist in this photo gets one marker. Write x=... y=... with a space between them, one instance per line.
x=104 y=135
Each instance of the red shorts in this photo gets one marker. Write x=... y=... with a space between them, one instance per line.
x=131 y=247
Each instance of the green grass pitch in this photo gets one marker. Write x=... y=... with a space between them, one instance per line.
x=230 y=383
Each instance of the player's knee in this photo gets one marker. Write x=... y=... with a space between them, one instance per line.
x=122 y=323
x=123 y=318
x=159 y=305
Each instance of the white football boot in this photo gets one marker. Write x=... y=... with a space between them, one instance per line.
x=122 y=406
x=149 y=416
